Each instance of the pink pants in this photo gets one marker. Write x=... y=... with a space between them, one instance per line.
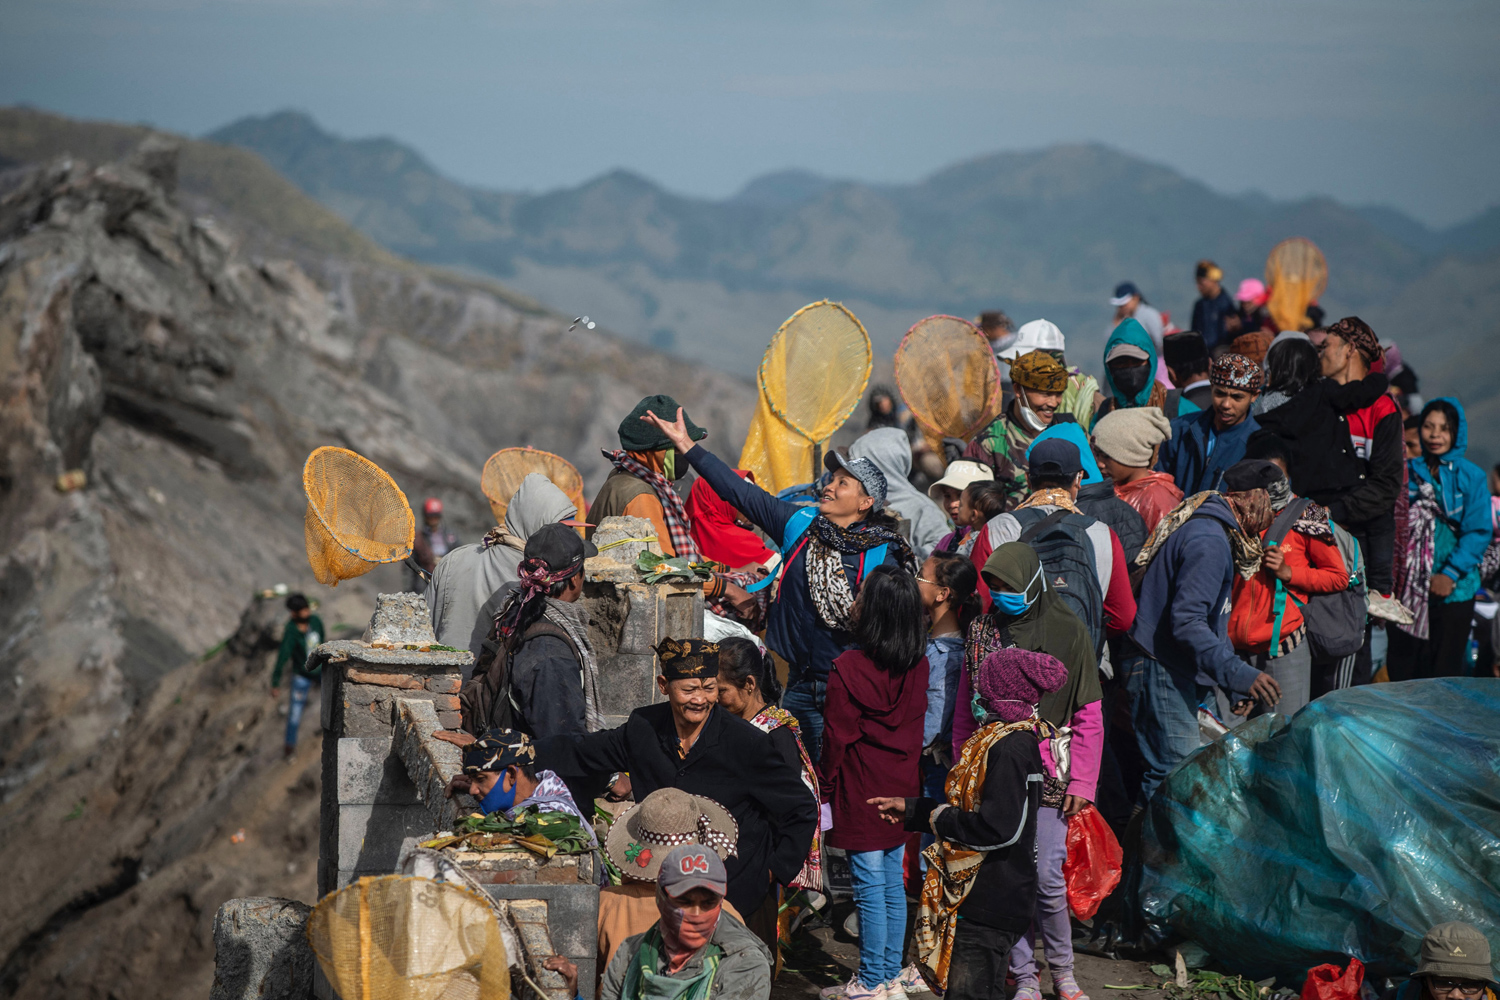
x=1051 y=904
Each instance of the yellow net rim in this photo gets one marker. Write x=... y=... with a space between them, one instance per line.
x=991 y=405
x=528 y=449
x=307 y=491
x=781 y=332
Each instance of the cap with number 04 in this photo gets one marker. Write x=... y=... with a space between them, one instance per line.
x=692 y=866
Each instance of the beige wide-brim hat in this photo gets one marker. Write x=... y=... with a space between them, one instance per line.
x=669 y=817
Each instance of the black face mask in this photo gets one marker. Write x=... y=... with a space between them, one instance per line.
x=1130 y=381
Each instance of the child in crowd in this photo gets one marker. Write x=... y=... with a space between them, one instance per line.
x=877 y=697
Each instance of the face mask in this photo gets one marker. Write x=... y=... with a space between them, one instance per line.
x=1028 y=414
x=498 y=800
x=1014 y=604
x=1130 y=381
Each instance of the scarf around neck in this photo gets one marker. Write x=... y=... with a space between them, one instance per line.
x=827 y=583
x=646 y=978
x=1051 y=497
x=574 y=620
x=1246 y=555
x=672 y=508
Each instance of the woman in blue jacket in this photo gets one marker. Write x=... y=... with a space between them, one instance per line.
x=832 y=549
x=1448 y=531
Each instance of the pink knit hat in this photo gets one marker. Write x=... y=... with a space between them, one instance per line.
x=1012 y=680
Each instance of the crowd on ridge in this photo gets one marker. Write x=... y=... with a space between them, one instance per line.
x=1237 y=521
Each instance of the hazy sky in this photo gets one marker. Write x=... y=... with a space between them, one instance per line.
x=1368 y=101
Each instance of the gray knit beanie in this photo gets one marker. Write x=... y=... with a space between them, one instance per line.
x=1127 y=436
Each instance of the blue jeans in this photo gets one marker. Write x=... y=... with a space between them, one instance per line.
x=300 y=686
x=1164 y=711
x=880 y=898
x=804 y=699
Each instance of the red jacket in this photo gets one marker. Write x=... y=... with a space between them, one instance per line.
x=872 y=746
x=1317 y=568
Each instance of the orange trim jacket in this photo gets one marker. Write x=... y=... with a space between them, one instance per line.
x=1317 y=568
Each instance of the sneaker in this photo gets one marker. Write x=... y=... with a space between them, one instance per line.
x=853 y=990
x=1387 y=607
x=910 y=981
x=1066 y=988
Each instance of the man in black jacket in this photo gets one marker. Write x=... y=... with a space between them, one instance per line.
x=690 y=743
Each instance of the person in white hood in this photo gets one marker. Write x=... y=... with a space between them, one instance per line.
x=461 y=595
x=890 y=450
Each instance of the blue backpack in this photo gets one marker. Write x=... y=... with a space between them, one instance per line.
x=793 y=537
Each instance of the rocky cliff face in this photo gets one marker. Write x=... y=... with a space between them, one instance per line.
x=188 y=378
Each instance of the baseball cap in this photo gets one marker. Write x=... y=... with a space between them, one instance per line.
x=1038 y=335
x=1123 y=350
x=1124 y=292
x=960 y=474
x=559 y=546
x=871 y=478
x=432 y=505
x=1054 y=457
x=692 y=866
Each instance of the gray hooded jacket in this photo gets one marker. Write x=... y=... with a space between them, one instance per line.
x=890 y=450
x=467 y=579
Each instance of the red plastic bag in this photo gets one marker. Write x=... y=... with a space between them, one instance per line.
x=1092 y=868
x=1329 y=982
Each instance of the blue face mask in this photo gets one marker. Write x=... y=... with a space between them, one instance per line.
x=1014 y=604
x=498 y=800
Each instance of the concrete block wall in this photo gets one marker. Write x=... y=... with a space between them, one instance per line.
x=626 y=622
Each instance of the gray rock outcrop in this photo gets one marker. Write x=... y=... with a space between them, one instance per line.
x=261 y=950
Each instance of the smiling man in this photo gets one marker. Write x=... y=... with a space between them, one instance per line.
x=690 y=743
x=1204 y=445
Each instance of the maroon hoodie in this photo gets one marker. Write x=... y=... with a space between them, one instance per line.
x=872 y=746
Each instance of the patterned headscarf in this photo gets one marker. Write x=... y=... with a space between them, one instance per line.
x=536 y=578
x=688 y=659
x=1358 y=335
x=498 y=749
x=1235 y=371
x=1040 y=371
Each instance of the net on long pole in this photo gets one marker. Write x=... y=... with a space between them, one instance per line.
x=1296 y=274
x=506 y=468
x=948 y=376
x=357 y=517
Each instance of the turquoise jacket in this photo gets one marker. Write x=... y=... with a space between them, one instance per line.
x=1464 y=532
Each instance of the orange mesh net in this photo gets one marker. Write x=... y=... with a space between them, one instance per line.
x=1296 y=274
x=948 y=376
x=812 y=377
x=507 y=467
x=398 y=937
x=357 y=517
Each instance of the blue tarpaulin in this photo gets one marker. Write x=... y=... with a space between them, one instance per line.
x=1347 y=830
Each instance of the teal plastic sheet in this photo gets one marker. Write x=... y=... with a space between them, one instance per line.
x=1348 y=830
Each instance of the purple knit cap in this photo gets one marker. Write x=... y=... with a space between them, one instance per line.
x=1012 y=680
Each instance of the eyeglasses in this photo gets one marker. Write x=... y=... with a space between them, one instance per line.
x=923 y=579
x=1463 y=987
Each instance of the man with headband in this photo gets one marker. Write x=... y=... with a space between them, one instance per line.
x=690 y=743
x=500 y=772
x=538 y=674
x=1203 y=445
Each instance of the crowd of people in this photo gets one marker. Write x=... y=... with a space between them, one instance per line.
x=1235 y=522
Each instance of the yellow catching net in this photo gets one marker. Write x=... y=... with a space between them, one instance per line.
x=398 y=937
x=948 y=376
x=1296 y=274
x=357 y=517
x=507 y=467
x=811 y=378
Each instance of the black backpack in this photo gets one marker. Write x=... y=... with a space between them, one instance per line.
x=487 y=700
x=1060 y=540
x=1335 y=622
